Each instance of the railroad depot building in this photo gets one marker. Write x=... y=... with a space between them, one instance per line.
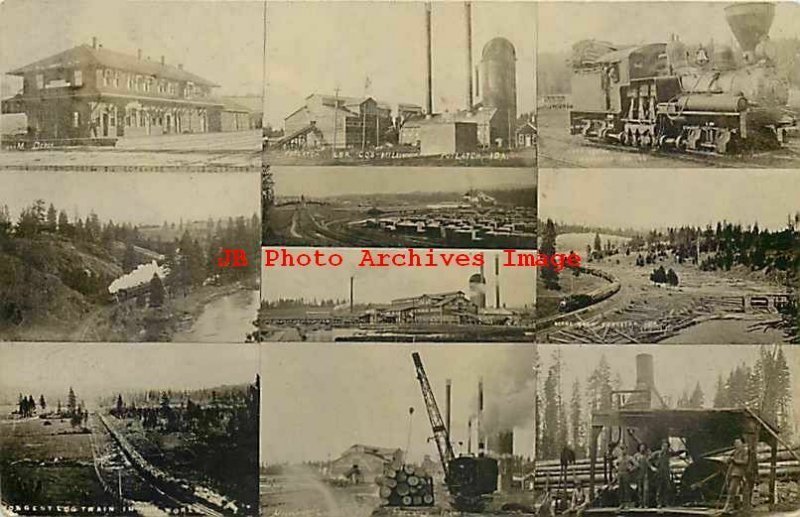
x=92 y=92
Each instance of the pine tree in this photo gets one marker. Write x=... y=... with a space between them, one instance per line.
x=51 y=218
x=72 y=403
x=576 y=419
x=63 y=223
x=120 y=405
x=721 y=399
x=157 y=292
x=129 y=259
x=697 y=400
x=42 y=402
x=598 y=387
x=598 y=244
x=548 y=248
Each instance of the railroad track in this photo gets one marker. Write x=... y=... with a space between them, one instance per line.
x=700 y=158
x=194 y=505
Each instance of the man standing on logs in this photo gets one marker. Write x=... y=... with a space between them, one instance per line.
x=624 y=467
x=663 y=474
x=737 y=469
x=643 y=468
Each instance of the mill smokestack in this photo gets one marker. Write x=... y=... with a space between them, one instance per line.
x=94 y=42
x=447 y=400
x=429 y=58
x=468 y=16
x=352 y=298
x=497 y=281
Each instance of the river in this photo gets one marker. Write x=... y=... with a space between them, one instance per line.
x=227 y=319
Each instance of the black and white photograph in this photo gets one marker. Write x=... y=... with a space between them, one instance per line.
x=666 y=84
x=110 y=429
x=112 y=256
x=112 y=83
x=400 y=83
x=481 y=430
x=448 y=207
x=405 y=295
x=672 y=256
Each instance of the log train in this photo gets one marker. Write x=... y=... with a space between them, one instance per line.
x=672 y=97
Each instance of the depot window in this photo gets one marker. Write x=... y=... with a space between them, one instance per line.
x=78 y=78
x=76 y=119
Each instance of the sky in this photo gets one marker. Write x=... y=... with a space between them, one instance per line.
x=141 y=197
x=336 y=181
x=313 y=47
x=383 y=284
x=94 y=370
x=657 y=198
x=353 y=394
x=563 y=24
x=222 y=41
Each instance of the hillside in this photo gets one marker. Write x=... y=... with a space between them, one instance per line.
x=49 y=283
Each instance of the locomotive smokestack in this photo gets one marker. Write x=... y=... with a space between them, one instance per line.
x=468 y=16
x=750 y=22
x=429 y=57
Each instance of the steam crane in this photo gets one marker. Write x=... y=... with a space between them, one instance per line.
x=469 y=480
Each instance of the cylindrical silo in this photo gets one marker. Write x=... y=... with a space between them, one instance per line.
x=498 y=76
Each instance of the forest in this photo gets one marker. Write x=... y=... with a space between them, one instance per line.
x=563 y=415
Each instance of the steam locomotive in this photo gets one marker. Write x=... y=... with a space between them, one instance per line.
x=673 y=97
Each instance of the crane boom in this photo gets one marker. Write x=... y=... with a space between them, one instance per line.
x=440 y=432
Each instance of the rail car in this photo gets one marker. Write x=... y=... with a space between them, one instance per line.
x=669 y=96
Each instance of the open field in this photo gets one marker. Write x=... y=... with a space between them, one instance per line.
x=47 y=461
x=706 y=307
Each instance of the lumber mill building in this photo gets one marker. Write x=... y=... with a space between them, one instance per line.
x=640 y=416
x=341 y=122
x=89 y=92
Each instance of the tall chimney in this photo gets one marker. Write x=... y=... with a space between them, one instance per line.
x=429 y=59
x=469 y=436
x=352 y=278
x=480 y=397
x=139 y=54
x=497 y=281
x=468 y=16
x=447 y=401
x=163 y=61
x=94 y=42
x=645 y=383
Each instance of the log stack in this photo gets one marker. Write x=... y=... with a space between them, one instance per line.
x=405 y=486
